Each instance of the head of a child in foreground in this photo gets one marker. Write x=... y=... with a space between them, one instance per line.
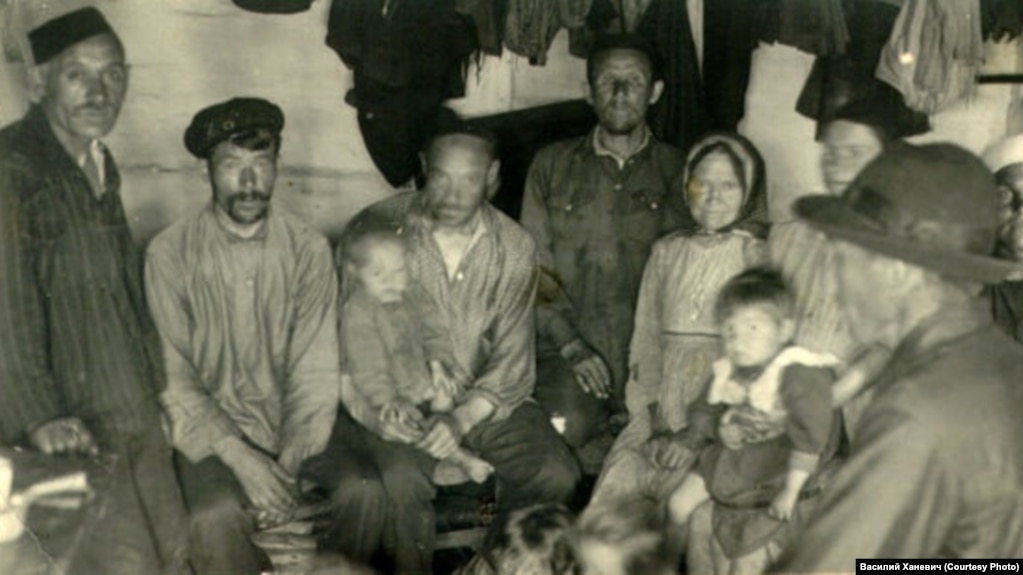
x=622 y=537
x=754 y=312
x=375 y=262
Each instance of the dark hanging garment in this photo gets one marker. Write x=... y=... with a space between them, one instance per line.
x=407 y=56
x=690 y=105
x=839 y=80
x=488 y=16
x=1001 y=19
x=814 y=26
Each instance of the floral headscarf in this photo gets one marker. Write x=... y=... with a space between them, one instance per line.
x=753 y=217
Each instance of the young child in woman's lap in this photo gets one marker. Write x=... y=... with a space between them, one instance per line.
x=767 y=419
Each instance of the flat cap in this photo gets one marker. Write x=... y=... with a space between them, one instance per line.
x=55 y=36
x=214 y=124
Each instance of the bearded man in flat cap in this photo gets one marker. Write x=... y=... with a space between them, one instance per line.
x=80 y=370
x=244 y=296
x=936 y=465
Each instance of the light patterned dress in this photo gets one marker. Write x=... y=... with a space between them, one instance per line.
x=673 y=347
x=807 y=261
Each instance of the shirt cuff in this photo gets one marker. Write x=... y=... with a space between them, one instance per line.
x=559 y=331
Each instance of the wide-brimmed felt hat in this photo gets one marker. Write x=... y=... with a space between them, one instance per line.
x=933 y=205
x=218 y=122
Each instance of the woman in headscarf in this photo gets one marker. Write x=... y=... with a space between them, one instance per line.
x=675 y=338
x=1005 y=160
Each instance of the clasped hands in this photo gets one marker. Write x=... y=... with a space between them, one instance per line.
x=590 y=371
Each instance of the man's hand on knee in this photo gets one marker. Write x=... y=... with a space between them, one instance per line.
x=269 y=487
x=443 y=437
x=65 y=435
x=591 y=372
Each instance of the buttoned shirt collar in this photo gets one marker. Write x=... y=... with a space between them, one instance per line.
x=601 y=150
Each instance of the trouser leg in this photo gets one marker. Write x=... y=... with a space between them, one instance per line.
x=558 y=393
x=532 y=464
x=221 y=527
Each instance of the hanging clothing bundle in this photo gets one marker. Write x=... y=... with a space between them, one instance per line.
x=407 y=57
x=1001 y=19
x=934 y=52
x=814 y=26
x=530 y=25
x=838 y=80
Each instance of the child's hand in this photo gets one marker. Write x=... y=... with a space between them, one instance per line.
x=731 y=435
x=443 y=381
x=400 y=420
x=783 y=505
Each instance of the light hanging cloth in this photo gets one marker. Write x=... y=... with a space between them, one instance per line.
x=934 y=52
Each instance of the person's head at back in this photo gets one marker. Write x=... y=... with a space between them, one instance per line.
x=624 y=536
x=462 y=174
x=81 y=77
x=1005 y=159
x=754 y=312
x=375 y=261
x=858 y=133
x=914 y=236
x=240 y=140
x=624 y=81
x=724 y=181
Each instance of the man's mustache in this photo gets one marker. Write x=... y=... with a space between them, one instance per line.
x=250 y=196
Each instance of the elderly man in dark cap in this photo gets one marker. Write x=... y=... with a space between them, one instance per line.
x=80 y=370
x=936 y=467
x=244 y=296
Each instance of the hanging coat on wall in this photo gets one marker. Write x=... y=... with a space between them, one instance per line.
x=693 y=103
x=407 y=57
x=934 y=53
x=839 y=79
x=531 y=25
x=814 y=26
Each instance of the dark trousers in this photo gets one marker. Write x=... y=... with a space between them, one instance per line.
x=559 y=394
x=220 y=525
x=385 y=488
x=138 y=520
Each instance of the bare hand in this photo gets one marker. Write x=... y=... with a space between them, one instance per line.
x=401 y=421
x=783 y=505
x=667 y=451
x=66 y=435
x=443 y=381
x=268 y=486
x=443 y=438
x=591 y=372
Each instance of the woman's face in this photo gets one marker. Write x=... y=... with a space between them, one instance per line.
x=848 y=148
x=714 y=192
x=1010 y=229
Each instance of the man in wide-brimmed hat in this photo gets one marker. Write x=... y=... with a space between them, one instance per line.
x=936 y=468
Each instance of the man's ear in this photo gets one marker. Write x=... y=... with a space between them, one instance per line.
x=655 y=92
x=588 y=93
x=37 y=82
x=788 y=329
x=493 y=179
